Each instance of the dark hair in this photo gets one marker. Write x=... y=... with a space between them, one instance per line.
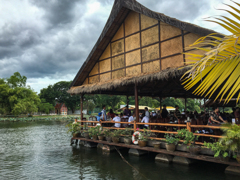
x=164 y=105
x=146 y=108
x=215 y=107
x=121 y=114
x=124 y=113
x=111 y=111
x=116 y=114
x=103 y=106
x=176 y=106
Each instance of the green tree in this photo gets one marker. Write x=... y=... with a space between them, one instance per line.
x=58 y=93
x=45 y=107
x=16 y=80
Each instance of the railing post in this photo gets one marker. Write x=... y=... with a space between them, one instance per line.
x=189 y=126
x=135 y=126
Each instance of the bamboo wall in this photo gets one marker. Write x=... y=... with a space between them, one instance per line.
x=141 y=45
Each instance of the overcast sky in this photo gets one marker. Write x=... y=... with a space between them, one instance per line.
x=48 y=40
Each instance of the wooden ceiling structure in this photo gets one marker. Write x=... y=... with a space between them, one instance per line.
x=138 y=48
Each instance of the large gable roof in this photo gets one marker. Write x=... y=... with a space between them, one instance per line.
x=119 y=12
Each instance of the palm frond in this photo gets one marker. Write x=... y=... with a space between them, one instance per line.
x=217 y=72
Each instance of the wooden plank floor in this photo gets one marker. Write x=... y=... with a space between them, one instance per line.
x=164 y=151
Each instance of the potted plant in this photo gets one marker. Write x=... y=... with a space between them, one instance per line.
x=156 y=145
x=74 y=129
x=171 y=142
x=231 y=139
x=100 y=136
x=94 y=131
x=108 y=135
x=143 y=138
x=190 y=140
x=115 y=135
x=127 y=135
x=220 y=150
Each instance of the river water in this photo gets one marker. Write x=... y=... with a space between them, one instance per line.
x=41 y=150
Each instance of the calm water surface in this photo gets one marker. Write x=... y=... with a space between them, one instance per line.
x=41 y=150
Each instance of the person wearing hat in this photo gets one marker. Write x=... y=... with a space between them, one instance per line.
x=98 y=116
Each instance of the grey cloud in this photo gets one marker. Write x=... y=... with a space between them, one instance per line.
x=60 y=12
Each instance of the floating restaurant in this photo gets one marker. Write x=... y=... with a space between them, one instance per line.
x=141 y=53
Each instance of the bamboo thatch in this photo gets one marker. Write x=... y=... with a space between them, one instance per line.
x=129 y=80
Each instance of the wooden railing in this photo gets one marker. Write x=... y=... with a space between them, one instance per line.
x=135 y=124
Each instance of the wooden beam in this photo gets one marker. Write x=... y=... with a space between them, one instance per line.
x=136 y=103
x=81 y=104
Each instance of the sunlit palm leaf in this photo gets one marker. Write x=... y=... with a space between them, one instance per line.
x=220 y=65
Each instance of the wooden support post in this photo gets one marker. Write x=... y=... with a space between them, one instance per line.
x=81 y=109
x=127 y=101
x=188 y=126
x=136 y=103
x=135 y=126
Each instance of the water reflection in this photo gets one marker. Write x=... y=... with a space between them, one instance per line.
x=40 y=150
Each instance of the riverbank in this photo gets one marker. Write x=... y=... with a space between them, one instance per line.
x=40 y=118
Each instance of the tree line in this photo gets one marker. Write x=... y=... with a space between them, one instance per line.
x=17 y=98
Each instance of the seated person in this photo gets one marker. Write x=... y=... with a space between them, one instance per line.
x=111 y=114
x=145 y=119
x=131 y=119
x=117 y=119
x=215 y=117
x=124 y=115
x=99 y=116
x=153 y=114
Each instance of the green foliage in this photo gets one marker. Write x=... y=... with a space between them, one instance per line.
x=28 y=119
x=188 y=137
x=219 y=149
x=107 y=133
x=231 y=137
x=94 y=131
x=45 y=107
x=73 y=127
x=127 y=132
x=58 y=92
x=171 y=139
x=15 y=97
x=145 y=135
x=116 y=133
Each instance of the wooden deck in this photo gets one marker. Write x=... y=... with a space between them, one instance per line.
x=164 y=151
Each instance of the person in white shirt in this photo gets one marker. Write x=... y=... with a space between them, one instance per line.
x=117 y=119
x=130 y=119
x=145 y=119
x=147 y=112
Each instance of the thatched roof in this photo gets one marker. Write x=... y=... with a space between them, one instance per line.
x=119 y=12
x=164 y=82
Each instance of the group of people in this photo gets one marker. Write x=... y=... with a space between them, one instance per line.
x=114 y=117
x=213 y=117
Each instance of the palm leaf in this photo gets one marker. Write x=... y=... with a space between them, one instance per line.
x=216 y=74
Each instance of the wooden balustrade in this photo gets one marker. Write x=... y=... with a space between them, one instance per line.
x=187 y=126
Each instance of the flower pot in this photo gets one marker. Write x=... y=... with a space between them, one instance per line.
x=115 y=139
x=170 y=147
x=109 y=139
x=127 y=140
x=95 y=137
x=86 y=135
x=238 y=158
x=156 y=145
x=101 y=137
x=142 y=143
x=194 y=150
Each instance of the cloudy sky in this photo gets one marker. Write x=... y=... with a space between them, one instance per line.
x=48 y=40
